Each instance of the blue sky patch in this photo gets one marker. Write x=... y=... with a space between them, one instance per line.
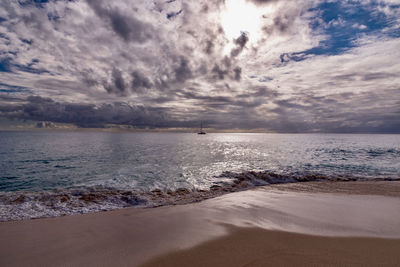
x=344 y=23
x=30 y=68
x=7 y=88
x=170 y=63
x=5 y=65
x=38 y=3
x=171 y=15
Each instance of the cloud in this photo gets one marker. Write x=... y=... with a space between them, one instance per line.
x=240 y=43
x=126 y=26
x=85 y=115
x=262 y=2
x=314 y=66
x=118 y=85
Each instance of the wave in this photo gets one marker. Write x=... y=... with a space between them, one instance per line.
x=21 y=205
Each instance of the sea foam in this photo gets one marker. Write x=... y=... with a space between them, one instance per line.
x=54 y=203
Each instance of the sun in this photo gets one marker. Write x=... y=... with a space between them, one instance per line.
x=242 y=16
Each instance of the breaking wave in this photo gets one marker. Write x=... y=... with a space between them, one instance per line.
x=21 y=205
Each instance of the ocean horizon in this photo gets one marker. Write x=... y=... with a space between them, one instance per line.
x=47 y=174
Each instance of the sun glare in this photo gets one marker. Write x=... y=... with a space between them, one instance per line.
x=241 y=16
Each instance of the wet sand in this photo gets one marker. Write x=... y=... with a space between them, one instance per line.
x=258 y=247
x=376 y=188
x=353 y=224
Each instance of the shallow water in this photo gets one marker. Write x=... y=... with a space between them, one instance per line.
x=111 y=170
x=37 y=160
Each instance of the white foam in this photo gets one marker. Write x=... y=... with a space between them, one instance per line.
x=28 y=205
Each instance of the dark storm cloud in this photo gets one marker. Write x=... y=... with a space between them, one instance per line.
x=168 y=65
x=183 y=70
x=139 y=82
x=261 y=2
x=378 y=76
x=8 y=110
x=227 y=66
x=255 y=98
x=134 y=82
x=118 y=85
x=190 y=94
x=127 y=27
x=84 y=115
x=334 y=114
x=260 y=91
x=209 y=47
x=265 y=2
x=9 y=99
x=220 y=73
x=282 y=24
x=240 y=43
x=238 y=73
x=171 y=64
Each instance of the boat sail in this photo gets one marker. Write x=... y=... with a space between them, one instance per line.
x=201 y=129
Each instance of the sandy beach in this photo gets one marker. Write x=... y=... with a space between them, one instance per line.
x=199 y=133
x=257 y=247
x=334 y=224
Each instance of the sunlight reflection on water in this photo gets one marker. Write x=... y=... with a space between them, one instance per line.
x=46 y=160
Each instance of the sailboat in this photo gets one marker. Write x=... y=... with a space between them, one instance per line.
x=201 y=129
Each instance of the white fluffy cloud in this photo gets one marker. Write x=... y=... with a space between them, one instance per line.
x=176 y=62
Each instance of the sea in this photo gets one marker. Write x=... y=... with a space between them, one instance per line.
x=49 y=174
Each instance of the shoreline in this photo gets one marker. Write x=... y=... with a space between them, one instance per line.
x=131 y=236
x=22 y=205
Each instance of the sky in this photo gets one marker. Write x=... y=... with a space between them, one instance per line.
x=277 y=65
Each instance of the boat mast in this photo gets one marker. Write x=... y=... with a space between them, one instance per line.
x=201 y=128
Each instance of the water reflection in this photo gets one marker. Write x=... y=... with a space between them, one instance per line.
x=38 y=160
